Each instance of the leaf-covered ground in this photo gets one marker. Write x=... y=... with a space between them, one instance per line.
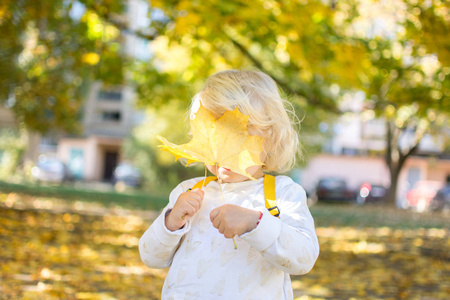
x=53 y=249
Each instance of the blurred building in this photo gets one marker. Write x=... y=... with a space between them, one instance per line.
x=109 y=113
x=355 y=151
x=108 y=118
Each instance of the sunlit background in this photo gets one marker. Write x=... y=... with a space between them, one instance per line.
x=85 y=84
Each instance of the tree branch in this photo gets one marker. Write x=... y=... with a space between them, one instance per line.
x=411 y=151
x=123 y=26
x=311 y=99
x=120 y=24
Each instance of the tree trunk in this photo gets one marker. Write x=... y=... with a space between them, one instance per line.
x=395 y=159
x=32 y=150
x=391 y=196
x=391 y=160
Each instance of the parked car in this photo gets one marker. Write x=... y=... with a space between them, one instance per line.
x=441 y=201
x=51 y=169
x=127 y=174
x=420 y=196
x=334 y=189
x=370 y=193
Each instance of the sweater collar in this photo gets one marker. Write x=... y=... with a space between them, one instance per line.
x=228 y=186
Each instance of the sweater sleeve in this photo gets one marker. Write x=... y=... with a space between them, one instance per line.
x=158 y=244
x=290 y=242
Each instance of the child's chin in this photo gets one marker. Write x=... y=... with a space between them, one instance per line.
x=224 y=173
x=227 y=177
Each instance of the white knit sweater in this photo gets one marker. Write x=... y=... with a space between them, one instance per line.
x=205 y=265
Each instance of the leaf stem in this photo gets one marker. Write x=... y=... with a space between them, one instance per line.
x=223 y=199
x=204 y=180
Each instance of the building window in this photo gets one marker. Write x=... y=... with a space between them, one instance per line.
x=110 y=95
x=349 y=151
x=114 y=116
x=413 y=176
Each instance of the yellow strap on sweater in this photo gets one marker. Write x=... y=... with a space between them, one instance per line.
x=204 y=182
x=269 y=192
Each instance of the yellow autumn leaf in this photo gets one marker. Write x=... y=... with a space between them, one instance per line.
x=90 y=58
x=223 y=142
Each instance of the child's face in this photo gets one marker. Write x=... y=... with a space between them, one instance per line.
x=229 y=176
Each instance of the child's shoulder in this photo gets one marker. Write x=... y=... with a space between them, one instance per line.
x=284 y=183
x=283 y=180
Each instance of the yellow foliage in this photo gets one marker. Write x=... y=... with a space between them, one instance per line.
x=184 y=24
x=175 y=57
x=347 y=57
x=90 y=58
x=223 y=142
x=58 y=249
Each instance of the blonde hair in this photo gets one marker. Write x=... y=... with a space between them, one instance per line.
x=270 y=116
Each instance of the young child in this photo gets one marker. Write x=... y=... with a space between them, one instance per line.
x=193 y=235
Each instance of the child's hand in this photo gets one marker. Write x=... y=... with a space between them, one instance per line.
x=234 y=220
x=187 y=205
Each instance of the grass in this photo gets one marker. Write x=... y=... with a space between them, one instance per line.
x=325 y=215
x=136 y=200
x=347 y=215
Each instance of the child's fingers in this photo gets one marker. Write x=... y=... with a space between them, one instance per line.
x=195 y=203
x=187 y=206
x=228 y=234
x=198 y=192
x=217 y=224
x=195 y=200
x=213 y=214
x=188 y=210
x=217 y=220
x=195 y=197
x=191 y=206
x=221 y=228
